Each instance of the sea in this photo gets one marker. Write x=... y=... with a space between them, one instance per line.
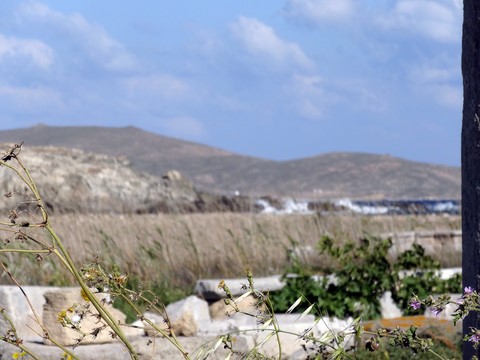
x=365 y=207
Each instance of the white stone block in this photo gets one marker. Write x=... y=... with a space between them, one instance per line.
x=80 y=313
x=188 y=315
x=209 y=290
x=18 y=309
x=388 y=308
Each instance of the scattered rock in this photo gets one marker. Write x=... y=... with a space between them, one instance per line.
x=209 y=290
x=19 y=311
x=65 y=309
x=291 y=326
x=220 y=310
x=388 y=308
x=187 y=316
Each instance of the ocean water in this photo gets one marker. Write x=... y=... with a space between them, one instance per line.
x=400 y=207
x=381 y=207
x=289 y=206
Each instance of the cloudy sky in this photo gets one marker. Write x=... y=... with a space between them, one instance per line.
x=277 y=79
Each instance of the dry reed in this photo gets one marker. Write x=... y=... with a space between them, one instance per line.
x=179 y=249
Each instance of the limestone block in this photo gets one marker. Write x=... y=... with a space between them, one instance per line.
x=19 y=311
x=242 y=344
x=218 y=328
x=333 y=324
x=388 y=308
x=155 y=318
x=188 y=315
x=328 y=327
x=449 y=272
x=147 y=348
x=219 y=309
x=243 y=322
x=292 y=328
x=178 y=325
x=183 y=325
x=78 y=313
x=209 y=290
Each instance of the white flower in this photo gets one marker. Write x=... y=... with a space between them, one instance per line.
x=75 y=318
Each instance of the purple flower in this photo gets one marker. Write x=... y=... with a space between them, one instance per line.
x=475 y=338
x=415 y=304
x=436 y=310
x=468 y=290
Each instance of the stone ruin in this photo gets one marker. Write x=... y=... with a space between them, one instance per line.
x=198 y=321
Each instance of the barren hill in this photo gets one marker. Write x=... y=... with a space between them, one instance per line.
x=327 y=176
x=72 y=180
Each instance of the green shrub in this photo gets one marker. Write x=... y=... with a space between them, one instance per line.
x=363 y=273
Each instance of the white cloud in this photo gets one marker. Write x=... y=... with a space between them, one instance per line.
x=94 y=40
x=458 y=4
x=448 y=95
x=441 y=83
x=365 y=99
x=261 y=41
x=38 y=52
x=29 y=99
x=184 y=127
x=160 y=86
x=309 y=95
x=428 y=73
x=439 y=20
x=319 y=11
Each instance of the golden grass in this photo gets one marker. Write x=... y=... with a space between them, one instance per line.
x=180 y=249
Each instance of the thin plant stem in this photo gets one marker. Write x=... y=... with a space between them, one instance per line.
x=96 y=303
x=66 y=259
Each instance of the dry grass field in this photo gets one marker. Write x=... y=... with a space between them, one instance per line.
x=176 y=250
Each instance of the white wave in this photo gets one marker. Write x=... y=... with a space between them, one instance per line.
x=289 y=206
x=362 y=209
x=446 y=206
x=266 y=207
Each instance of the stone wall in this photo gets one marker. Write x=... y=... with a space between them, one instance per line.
x=434 y=242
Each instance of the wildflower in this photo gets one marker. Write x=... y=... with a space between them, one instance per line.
x=436 y=310
x=61 y=316
x=107 y=299
x=121 y=280
x=475 y=338
x=415 y=304
x=17 y=355
x=75 y=318
x=468 y=290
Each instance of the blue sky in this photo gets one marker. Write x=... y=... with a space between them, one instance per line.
x=272 y=79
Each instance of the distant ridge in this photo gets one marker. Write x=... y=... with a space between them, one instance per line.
x=328 y=176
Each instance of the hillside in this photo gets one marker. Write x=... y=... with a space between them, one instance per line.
x=333 y=175
x=72 y=180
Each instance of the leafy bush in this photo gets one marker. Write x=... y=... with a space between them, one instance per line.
x=363 y=273
x=421 y=278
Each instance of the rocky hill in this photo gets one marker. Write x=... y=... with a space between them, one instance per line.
x=328 y=176
x=72 y=180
